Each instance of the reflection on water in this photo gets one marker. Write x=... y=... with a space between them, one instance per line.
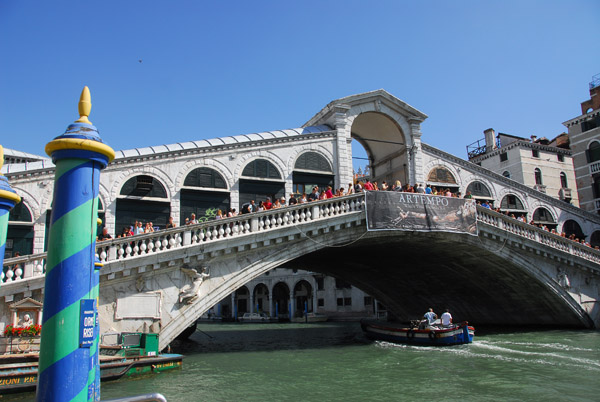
x=335 y=362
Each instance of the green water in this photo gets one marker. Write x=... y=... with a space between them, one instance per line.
x=335 y=362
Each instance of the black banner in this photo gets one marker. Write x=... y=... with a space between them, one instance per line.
x=391 y=210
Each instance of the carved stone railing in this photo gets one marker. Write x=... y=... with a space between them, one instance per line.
x=525 y=230
x=595 y=168
x=127 y=248
x=474 y=168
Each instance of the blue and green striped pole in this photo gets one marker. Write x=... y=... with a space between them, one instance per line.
x=8 y=199
x=69 y=365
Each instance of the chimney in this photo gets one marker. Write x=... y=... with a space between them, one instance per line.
x=533 y=138
x=490 y=140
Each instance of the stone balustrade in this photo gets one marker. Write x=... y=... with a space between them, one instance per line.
x=125 y=248
x=142 y=245
x=522 y=229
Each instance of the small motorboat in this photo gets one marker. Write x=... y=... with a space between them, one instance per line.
x=426 y=335
x=124 y=355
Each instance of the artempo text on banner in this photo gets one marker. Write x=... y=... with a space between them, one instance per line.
x=390 y=210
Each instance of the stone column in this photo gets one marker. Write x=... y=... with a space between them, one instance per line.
x=8 y=199
x=315 y=303
x=415 y=153
x=252 y=302
x=292 y=305
x=233 y=306
x=271 y=304
x=343 y=155
x=68 y=364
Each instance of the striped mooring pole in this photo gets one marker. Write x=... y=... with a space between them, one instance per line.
x=8 y=199
x=69 y=367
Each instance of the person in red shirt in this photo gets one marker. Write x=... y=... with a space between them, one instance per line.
x=369 y=186
x=268 y=204
x=329 y=193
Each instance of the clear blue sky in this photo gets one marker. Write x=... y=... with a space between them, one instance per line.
x=219 y=68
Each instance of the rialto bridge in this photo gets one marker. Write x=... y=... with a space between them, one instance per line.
x=511 y=273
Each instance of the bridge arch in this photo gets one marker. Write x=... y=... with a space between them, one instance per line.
x=310 y=168
x=595 y=239
x=259 y=178
x=480 y=190
x=20 y=231
x=142 y=197
x=572 y=227
x=204 y=191
x=189 y=166
x=281 y=298
x=443 y=176
x=303 y=297
x=543 y=216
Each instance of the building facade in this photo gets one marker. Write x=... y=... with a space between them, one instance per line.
x=538 y=163
x=584 y=134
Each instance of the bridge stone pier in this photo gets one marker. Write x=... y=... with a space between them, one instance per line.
x=511 y=273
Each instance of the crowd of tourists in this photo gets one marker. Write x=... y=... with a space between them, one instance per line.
x=328 y=193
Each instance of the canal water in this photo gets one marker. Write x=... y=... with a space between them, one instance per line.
x=335 y=362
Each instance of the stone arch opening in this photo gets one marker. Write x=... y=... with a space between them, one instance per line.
x=20 y=233
x=570 y=227
x=144 y=199
x=595 y=239
x=203 y=193
x=385 y=144
x=261 y=299
x=242 y=302
x=479 y=191
x=303 y=298
x=593 y=152
x=260 y=179
x=311 y=169
x=543 y=217
x=513 y=205
x=281 y=300
x=441 y=178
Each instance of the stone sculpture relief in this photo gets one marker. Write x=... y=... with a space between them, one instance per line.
x=189 y=293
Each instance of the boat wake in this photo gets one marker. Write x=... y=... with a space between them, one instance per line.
x=500 y=351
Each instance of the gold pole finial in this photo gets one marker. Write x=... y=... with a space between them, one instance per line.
x=85 y=106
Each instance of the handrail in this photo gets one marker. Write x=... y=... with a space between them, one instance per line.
x=126 y=248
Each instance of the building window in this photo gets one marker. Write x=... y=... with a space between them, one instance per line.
x=368 y=301
x=561 y=157
x=535 y=153
x=506 y=174
x=344 y=301
x=563 y=180
x=593 y=152
x=320 y=283
x=538 y=176
x=503 y=157
x=320 y=302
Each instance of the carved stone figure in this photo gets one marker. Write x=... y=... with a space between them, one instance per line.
x=189 y=293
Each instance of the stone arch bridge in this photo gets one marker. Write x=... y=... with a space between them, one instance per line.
x=511 y=273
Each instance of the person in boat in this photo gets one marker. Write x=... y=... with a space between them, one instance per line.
x=430 y=316
x=446 y=318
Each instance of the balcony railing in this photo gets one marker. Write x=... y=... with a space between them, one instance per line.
x=595 y=167
x=540 y=187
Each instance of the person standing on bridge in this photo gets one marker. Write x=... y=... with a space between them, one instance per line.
x=446 y=318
